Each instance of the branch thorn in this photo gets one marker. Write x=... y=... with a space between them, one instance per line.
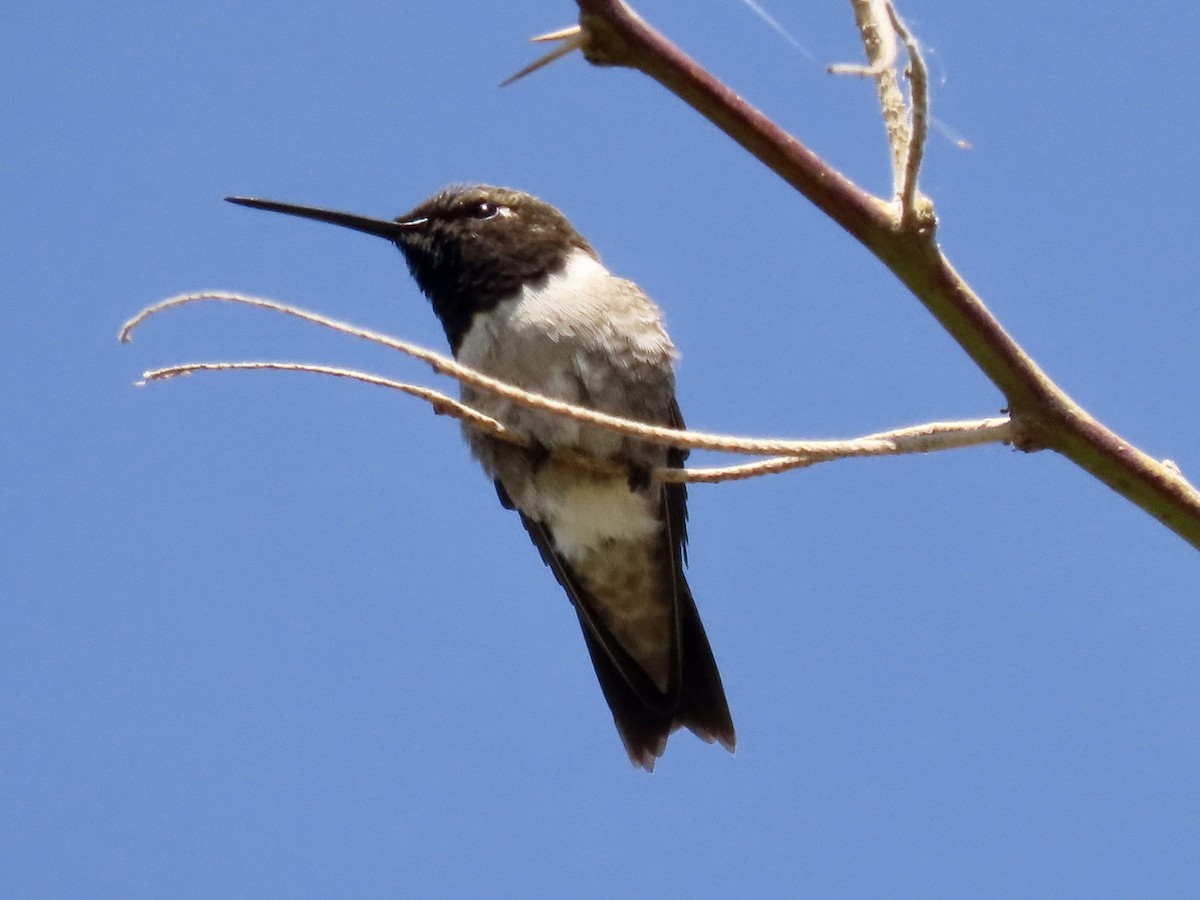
x=573 y=38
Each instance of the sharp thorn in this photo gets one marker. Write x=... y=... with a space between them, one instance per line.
x=560 y=35
x=575 y=38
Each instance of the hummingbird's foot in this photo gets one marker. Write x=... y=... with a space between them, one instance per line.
x=638 y=476
x=538 y=453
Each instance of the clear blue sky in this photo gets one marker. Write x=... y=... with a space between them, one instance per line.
x=264 y=635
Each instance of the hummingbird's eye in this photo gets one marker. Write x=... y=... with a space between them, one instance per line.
x=484 y=210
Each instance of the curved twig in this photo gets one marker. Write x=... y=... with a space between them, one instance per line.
x=898 y=442
x=936 y=435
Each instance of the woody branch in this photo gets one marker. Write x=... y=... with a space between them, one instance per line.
x=901 y=235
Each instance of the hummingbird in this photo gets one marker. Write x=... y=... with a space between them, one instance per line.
x=522 y=296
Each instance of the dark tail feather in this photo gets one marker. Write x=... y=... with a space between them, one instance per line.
x=702 y=706
x=645 y=725
x=643 y=730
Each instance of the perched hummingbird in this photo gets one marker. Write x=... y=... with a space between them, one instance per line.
x=523 y=297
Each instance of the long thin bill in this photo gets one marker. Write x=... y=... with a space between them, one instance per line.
x=378 y=227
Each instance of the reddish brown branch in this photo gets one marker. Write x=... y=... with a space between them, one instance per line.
x=616 y=36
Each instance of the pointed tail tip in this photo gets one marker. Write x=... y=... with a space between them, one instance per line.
x=644 y=756
x=645 y=763
x=725 y=736
x=643 y=752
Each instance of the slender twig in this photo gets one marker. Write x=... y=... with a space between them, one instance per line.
x=878 y=36
x=918 y=130
x=879 y=41
x=907 y=123
x=898 y=442
x=442 y=405
x=991 y=430
x=1046 y=416
x=446 y=366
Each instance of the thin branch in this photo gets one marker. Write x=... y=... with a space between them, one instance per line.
x=443 y=365
x=618 y=37
x=442 y=405
x=879 y=41
x=918 y=131
x=907 y=123
x=901 y=441
x=1045 y=414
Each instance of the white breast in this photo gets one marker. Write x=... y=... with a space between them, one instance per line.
x=563 y=307
x=578 y=332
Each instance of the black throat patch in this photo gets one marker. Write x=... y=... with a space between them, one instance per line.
x=470 y=248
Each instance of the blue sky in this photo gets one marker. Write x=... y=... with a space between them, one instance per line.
x=268 y=635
